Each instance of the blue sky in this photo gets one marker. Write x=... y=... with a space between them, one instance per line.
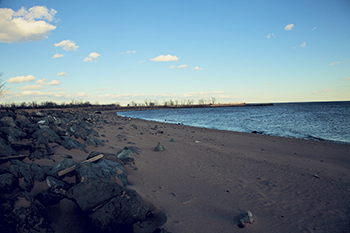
x=123 y=51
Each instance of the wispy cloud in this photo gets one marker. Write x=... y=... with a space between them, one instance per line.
x=128 y=52
x=21 y=79
x=57 y=55
x=271 y=35
x=141 y=61
x=52 y=83
x=322 y=91
x=162 y=58
x=348 y=78
x=314 y=28
x=62 y=74
x=32 y=87
x=182 y=66
x=289 y=27
x=333 y=63
x=303 y=44
x=22 y=25
x=172 y=67
x=197 y=68
x=92 y=57
x=67 y=45
x=269 y=83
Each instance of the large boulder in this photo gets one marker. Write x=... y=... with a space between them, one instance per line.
x=70 y=143
x=12 y=134
x=110 y=206
x=8 y=183
x=8 y=121
x=62 y=165
x=6 y=150
x=47 y=133
x=106 y=169
x=93 y=141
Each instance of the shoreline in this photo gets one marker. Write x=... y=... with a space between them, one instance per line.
x=206 y=180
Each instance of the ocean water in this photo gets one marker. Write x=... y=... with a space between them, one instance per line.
x=329 y=121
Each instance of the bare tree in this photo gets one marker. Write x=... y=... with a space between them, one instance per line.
x=2 y=86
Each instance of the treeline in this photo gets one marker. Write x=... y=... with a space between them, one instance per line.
x=132 y=105
x=50 y=105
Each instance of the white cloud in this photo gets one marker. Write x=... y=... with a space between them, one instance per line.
x=56 y=89
x=197 y=68
x=294 y=47
x=67 y=45
x=127 y=52
x=57 y=55
x=322 y=91
x=289 y=27
x=303 y=44
x=348 y=78
x=32 y=87
x=165 y=58
x=172 y=67
x=270 y=35
x=142 y=61
x=333 y=63
x=62 y=74
x=52 y=83
x=92 y=57
x=21 y=79
x=182 y=66
x=22 y=25
x=313 y=28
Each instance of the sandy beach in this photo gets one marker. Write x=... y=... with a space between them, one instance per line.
x=207 y=179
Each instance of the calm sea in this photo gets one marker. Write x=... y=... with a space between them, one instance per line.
x=328 y=121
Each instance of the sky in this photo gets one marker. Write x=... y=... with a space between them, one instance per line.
x=122 y=51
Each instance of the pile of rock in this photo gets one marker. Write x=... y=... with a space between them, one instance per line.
x=100 y=188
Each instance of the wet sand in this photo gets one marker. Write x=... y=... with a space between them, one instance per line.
x=206 y=179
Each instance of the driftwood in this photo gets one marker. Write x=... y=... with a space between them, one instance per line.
x=72 y=168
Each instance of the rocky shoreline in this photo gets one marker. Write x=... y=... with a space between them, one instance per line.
x=98 y=188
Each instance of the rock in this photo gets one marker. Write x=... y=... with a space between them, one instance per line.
x=70 y=143
x=23 y=213
x=57 y=186
x=248 y=218
x=110 y=206
x=63 y=164
x=48 y=199
x=8 y=121
x=22 y=118
x=103 y=169
x=12 y=134
x=47 y=133
x=8 y=183
x=126 y=155
x=109 y=156
x=40 y=149
x=6 y=150
x=30 y=172
x=159 y=147
x=93 y=141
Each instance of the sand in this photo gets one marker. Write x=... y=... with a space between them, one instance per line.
x=207 y=179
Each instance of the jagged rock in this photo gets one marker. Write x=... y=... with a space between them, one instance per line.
x=6 y=150
x=22 y=118
x=47 y=133
x=8 y=121
x=30 y=172
x=8 y=183
x=48 y=199
x=93 y=141
x=103 y=169
x=159 y=147
x=31 y=216
x=63 y=164
x=126 y=155
x=12 y=134
x=57 y=186
x=110 y=206
x=70 y=143
x=40 y=149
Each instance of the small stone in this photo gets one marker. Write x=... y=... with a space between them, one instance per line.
x=159 y=147
x=248 y=218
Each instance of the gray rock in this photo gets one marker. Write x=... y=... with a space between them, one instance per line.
x=12 y=134
x=47 y=133
x=63 y=164
x=70 y=143
x=126 y=155
x=8 y=183
x=110 y=206
x=93 y=141
x=6 y=150
x=8 y=121
x=159 y=147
